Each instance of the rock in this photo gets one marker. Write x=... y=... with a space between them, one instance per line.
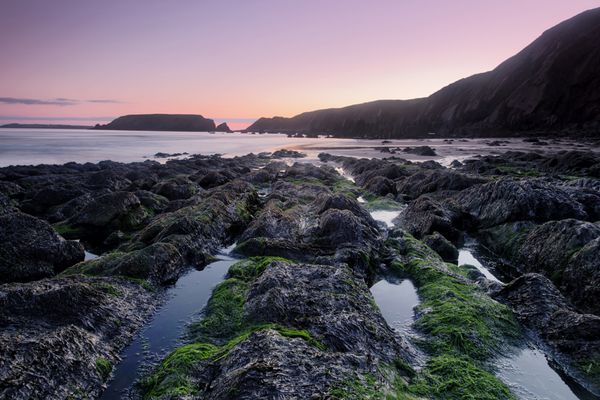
x=442 y=246
x=562 y=250
x=6 y=206
x=118 y=208
x=223 y=127
x=284 y=153
x=425 y=216
x=160 y=154
x=159 y=263
x=506 y=239
x=541 y=307
x=108 y=179
x=547 y=248
x=380 y=186
x=323 y=300
x=176 y=189
x=421 y=151
x=213 y=179
x=430 y=164
x=30 y=249
x=581 y=277
x=316 y=328
x=342 y=227
x=508 y=200
x=429 y=181
x=65 y=324
x=200 y=229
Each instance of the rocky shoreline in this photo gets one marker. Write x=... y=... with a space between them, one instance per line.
x=295 y=318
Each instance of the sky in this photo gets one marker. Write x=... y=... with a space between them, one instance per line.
x=83 y=62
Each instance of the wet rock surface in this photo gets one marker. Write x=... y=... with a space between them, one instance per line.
x=58 y=334
x=30 y=249
x=304 y=325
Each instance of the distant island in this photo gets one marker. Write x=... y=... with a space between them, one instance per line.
x=551 y=86
x=164 y=122
x=45 y=126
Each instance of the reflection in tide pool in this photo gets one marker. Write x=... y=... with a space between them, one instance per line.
x=89 y=256
x=385 y=216
x=344 y=174
x=396 y=300
x=530 y=377
x=465 y=256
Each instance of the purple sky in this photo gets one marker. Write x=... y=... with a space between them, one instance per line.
x=87 y=61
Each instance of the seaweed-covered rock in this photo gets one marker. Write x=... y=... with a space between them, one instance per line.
x=442 y=246
x=327 y=301
x=429 y=181
x=421 y=151
x=508 y=200
x=175 y=189
x=426 y=215
x=548 y=247
x=581 y=277
x=540 y=306
x=30 y=249
x=159 y=263
x=304 y=331
x=198 y=230
x=381 y=186
x=117 y=210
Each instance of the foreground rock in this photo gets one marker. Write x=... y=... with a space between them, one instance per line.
x=540 y=306
x=292 y=341
x=30 y=249
x=565 y=251
x=61 y=337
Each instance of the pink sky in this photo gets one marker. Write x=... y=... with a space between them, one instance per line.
x=239 y=60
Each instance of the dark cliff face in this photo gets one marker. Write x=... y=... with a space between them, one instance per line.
x=551 y=86
x=161 y=122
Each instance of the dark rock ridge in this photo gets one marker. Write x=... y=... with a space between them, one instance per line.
x=537 y=90
x=161 y=122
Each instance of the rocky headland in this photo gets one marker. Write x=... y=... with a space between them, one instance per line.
x=163 y=122
x=537 y=91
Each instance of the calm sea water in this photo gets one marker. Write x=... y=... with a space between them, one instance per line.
x=56 y=146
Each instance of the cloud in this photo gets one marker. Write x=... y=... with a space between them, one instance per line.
x=36 y=102
x=22 y=118
x=60 y=101
x=107 y=101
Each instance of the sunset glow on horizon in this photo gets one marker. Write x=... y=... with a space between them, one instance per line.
x=68 y=61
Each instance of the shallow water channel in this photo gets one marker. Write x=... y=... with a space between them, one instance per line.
x=163 y=334
x=527 y=371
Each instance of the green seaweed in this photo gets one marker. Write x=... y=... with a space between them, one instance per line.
x=104 y=368
x=108 y=288
x=460 y=319
x=224 y=313
x=173 y=375
x=66 y=230
x=448 y=377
